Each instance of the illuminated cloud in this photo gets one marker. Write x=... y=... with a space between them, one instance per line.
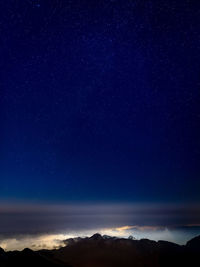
x=127 y=227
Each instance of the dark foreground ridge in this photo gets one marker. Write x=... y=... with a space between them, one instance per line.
x=106 y=251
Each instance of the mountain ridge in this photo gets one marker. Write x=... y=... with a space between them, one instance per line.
x=107 y=251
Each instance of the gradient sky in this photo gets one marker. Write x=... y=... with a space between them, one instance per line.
x=99 y=101
x=99 y=117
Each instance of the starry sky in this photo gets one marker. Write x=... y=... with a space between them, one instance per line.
x=99 y=101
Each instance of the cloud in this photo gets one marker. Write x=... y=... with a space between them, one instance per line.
x=137 y=227
x=38 y=219
x=42 y=225
x=122 y=228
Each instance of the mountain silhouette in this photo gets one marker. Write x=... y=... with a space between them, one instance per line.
x=106 y=251
x=194 y=244
x=26 y=258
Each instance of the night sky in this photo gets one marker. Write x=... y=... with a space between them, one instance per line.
x=99 y=101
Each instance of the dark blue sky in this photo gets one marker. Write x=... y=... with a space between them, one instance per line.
x=99 y=100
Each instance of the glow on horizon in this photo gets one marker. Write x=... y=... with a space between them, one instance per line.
x=55 y=241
